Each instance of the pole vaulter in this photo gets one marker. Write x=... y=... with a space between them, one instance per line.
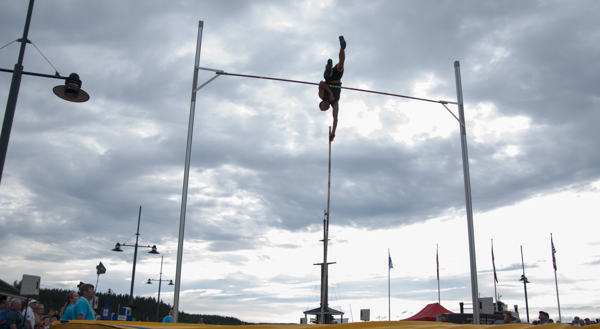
x=465 y=158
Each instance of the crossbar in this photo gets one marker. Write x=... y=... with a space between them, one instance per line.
x=333 y=86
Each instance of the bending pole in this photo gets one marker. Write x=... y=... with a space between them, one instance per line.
x=332 y=86
x=325 y=280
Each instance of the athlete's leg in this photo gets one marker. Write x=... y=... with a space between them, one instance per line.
x=342 y=54
x=328 y=69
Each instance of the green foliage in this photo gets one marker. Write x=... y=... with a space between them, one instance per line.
x=144 y=307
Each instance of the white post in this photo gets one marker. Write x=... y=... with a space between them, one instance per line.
x=186 y=175
x=467 y=178
x=555 y=279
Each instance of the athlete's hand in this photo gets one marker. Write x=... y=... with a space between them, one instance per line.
x=331 y=137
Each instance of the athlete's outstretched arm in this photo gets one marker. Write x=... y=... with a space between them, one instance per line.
x=325 y=87
x=335 y=120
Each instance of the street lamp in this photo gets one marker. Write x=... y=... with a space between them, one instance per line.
x=525 y=282
x=71 y=91
x=118 y=249
x=160 y=280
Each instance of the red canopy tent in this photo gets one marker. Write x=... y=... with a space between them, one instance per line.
x=428 y=313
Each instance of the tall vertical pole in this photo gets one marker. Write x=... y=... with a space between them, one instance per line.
x=494 y=266
x=324 y=280
x=186 y=175
x=13 y=94
x=389 y=294
x=159 y=282
x=437 y=263
x=137 y=235
x=525 y=282
x=465 y=158
x=555 y=279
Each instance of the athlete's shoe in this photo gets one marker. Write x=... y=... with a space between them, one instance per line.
x=342 y=42
x=329 y=68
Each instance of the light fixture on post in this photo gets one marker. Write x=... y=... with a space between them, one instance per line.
x=71 y=91
x=118 y=246
x=160 y=280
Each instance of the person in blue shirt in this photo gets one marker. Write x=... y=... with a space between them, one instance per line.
x=71 y=298
x=82 y=308
x=168 y=318
x=14 y=318
x=3 y=312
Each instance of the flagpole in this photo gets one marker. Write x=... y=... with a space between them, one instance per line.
x=555 y=279
x=390 y=266
x=437 y=262
x=495 y=278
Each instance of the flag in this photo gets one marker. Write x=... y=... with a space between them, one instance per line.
x=553 y=253
x=437 y=262
x=390 y=265
x=494 y=265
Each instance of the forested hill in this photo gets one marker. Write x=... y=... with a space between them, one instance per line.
x=144 y=307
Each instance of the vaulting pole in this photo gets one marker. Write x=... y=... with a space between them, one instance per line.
x=324 y=279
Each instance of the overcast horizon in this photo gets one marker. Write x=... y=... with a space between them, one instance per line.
x=76 y=174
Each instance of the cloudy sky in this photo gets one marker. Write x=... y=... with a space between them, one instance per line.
x=76 y=174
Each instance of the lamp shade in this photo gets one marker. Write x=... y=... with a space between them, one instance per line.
x=153 y=251
x=71 y=91
x=117 y=248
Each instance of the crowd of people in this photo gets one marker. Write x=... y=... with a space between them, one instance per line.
x=17 y=313
x=29 y=314
x=14 y=314
x=544 y=318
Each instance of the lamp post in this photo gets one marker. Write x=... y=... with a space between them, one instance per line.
x=71 y=91
x=118 y=249
x=160 y=280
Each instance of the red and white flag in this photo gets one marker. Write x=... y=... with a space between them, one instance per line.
x=494 y=265
x=553 y=253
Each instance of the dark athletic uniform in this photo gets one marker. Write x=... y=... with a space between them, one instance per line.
x=336 y=91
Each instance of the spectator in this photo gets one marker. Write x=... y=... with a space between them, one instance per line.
x=51 y=312
x=575 y=322
x=581 y=323
x=168 y=318
x=28 y=314
x=39 y=311
x=39 y=325
x=444 y=318
x=3 y=311
x=14 y=319
x=543 y=317
x=201 y=320
x=83 y=309
x=507 y=318
x=53 y=318
x=68 y=313
x=587 y=321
